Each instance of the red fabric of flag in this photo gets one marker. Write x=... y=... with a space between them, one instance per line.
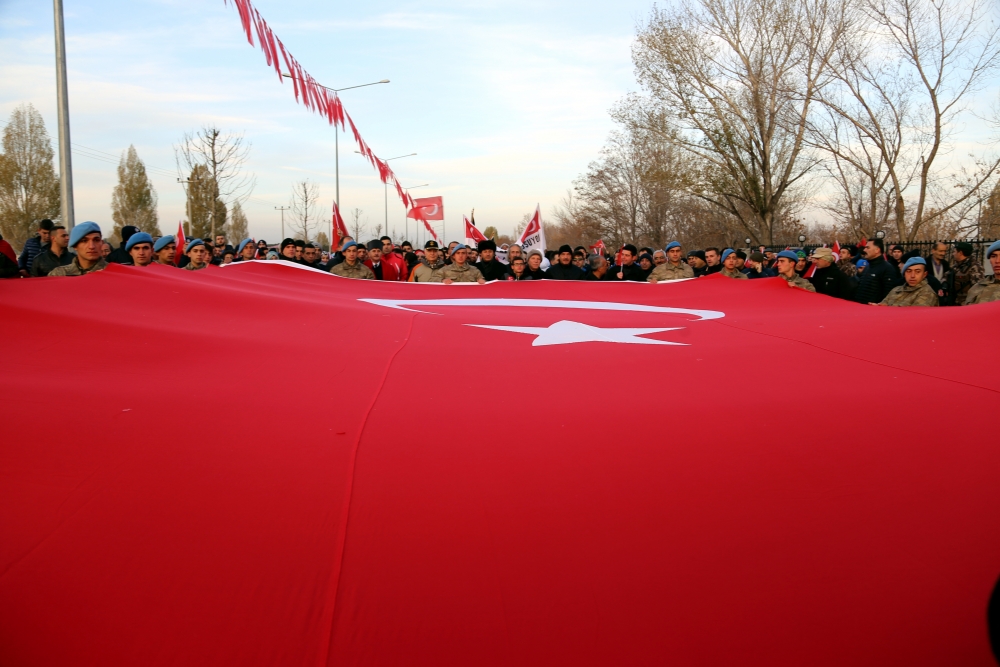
x=317 y=528
x=180 y=242
x=431 y=208
x=472 y=232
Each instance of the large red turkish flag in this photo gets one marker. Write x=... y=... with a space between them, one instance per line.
x=427 y=208
x=235 y=509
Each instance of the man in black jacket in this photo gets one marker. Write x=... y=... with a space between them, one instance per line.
x=880 y=276
x=564 y=269
x=488 y=264
x=120 y=254
x=829 y=279
x=55 y=253
x=628 y=270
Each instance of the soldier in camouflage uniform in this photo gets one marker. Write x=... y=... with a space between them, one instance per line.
x=785 y=264
x=459 y=271
x=675 y=267
x=987 y=289
x=917 y=291
x=86 y=240
x=198 y=254
x=966 y=273
x=352 y=267
x=729 y=261
x=429 y=266
x=846 y=263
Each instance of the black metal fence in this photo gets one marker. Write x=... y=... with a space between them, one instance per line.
x=924 y=247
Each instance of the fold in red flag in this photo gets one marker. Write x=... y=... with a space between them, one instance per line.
x=349 y=538
x=472 y=233
x=810 y=270
x=430 y=208
x=180 y=242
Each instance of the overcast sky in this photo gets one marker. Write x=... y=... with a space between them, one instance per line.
x=504 y=103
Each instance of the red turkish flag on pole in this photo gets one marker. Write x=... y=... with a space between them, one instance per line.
x=599 y=248
x=338 y=228
x=472 y=233
x=427 y=208
x=180 y=242
x=836 y=250
x=417 y=213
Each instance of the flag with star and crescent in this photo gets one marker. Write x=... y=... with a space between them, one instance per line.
x=530 y=472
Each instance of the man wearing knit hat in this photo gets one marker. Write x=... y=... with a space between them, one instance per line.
x=287 y=251
x=198 y=255
x=785 y=263
x=564 y=269
x=964 y=274
x=165 y=249
x=916 y=291
x=696 y=260
x=674 y=268
x=86 y=240
x=352 y=267
x=756 y=267
x=987 y=289
x=729 y=262
x=140 y=249
x=120 y=254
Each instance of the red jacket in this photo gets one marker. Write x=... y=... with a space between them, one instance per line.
x=389 y=271
x=399 y=263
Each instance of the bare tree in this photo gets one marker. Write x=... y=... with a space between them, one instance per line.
x=903 y=76
x=224 y=156
x=358 y=227
x=731 y=83
x=305 y=213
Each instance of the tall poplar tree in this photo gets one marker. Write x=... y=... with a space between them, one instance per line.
x=29 y=187
x=133 y=201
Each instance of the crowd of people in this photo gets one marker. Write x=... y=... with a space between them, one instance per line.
x=865 y=273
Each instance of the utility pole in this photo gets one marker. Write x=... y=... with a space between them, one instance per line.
x=187 y=200
x=66 y=210
x=283 y=209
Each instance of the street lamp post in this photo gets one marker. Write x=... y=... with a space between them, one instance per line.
x=336 y=130
x=386 y=188
x=66 y=212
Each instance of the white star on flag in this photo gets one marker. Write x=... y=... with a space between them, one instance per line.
x=565 y=331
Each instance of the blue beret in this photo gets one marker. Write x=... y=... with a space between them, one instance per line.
x=862 y=262
x=162 y=242
x=458 y=247
x=914 y=260
x=81 y=230
x=243 y=244
x=349 y=244
x=992 y=249
x=192 y=244
x=788 y=254
x=141 y=237
x=672 y=244
x=726 y=253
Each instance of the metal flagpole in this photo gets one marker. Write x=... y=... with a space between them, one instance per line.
x=62 y=102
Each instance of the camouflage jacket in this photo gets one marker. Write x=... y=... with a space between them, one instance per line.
x=424 y=272
x=964 y=276
x=733 y=274
x=191 y=267
x=921 y=294
x=458 y=274
x=74 y=268
x=848 y=268
x=986 y=290
x=668 y=271
x=798 y=281
x=359 y=271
